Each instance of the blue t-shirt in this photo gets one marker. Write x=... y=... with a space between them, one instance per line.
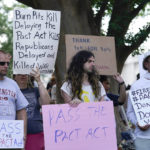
x=114 y=98
x=34 y=124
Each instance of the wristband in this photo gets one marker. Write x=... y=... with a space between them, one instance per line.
x=121 y=83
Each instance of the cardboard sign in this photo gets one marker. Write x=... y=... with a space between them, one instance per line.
x=11 y=134
x=103 y=48
x=141 y=104
x=86 y=127
x=35 y=43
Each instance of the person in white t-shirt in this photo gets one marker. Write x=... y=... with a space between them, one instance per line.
x=141 y=133
x=82 y=82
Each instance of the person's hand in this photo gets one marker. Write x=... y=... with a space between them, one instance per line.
x=118 y=78
x=36 y=74
x=102 y=99
x=75 y=102
x=144 y=128
x=24 y=140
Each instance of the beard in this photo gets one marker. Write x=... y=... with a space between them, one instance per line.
x=4 y=73
x=90 y=71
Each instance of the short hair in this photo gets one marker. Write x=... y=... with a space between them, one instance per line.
x=103 y=78
x=144 y=61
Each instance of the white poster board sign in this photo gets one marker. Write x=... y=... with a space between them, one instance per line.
x=11 y=134
x=35 y=40
x=141 y=104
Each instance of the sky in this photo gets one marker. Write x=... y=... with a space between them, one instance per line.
x=10 y=2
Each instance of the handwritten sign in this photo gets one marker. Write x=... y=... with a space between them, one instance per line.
x=141 y=104
x=103 y=48
x=11 y=134
x=35 y=41
x=88 y=126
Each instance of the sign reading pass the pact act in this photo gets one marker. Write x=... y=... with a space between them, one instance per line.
x=36 y=37
x=89 y=126
x=103 y=48
x=11 y=134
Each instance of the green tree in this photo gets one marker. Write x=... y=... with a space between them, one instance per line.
x=6 y=33
x=6 y=29
x=78 y=17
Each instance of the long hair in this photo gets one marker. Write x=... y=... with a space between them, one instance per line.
x=76 y=71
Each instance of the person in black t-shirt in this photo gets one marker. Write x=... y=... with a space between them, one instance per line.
x=117 y=99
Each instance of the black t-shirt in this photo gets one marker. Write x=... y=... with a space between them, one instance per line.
x=114 y=98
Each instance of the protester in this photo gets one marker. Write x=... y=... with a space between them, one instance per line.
x=13 y=103
x=36 y=97
x=117 y=99
x=141 y=133
x=82 y=82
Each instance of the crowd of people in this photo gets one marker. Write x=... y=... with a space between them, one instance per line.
x=23 y=100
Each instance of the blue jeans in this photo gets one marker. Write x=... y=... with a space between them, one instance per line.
x=142 y=144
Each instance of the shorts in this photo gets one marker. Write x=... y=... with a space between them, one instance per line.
x=35 y=141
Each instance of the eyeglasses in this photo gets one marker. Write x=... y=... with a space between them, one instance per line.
x=3 y=63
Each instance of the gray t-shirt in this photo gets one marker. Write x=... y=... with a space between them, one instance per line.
x=11 y=99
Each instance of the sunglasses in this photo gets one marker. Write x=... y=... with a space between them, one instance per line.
x=3 y=63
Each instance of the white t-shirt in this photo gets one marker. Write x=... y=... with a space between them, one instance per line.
x=87 y=94
x=11 y=99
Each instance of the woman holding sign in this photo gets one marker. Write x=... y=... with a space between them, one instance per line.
x=36 y=97
x=82 y=82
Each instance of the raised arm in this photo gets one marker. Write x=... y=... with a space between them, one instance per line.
x=44 y=96
x=122 y=92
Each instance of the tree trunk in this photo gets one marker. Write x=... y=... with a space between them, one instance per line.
x=74 y=21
